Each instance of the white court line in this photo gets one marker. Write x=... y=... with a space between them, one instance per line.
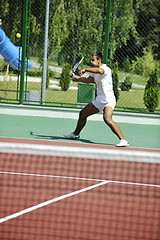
x=137 y=184
x=30 y=209
x=53 y=176
x=103 y=182
x=76 y=178
x=70 y=114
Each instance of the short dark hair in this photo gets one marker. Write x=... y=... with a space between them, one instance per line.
x=98 y=55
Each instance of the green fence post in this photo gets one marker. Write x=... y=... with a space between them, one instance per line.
x=111 y=34
x=106 y=41
x=24 y=40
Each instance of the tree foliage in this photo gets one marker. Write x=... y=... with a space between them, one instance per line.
x=126 y=84
x=141 y=28
x=76 y=28
x=115 y=81
x=65 y=77
x=151 y=93
x=125 y=21
x=146 y=64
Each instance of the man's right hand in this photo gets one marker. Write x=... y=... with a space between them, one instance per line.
x=82 y=72
x=72 y=75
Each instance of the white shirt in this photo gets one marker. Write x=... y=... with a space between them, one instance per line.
x=104 y=83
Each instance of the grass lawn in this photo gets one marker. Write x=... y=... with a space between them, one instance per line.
x=136 y=79
x=133 y=99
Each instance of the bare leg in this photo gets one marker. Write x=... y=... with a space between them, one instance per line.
x=89 y=110
x=107 y=116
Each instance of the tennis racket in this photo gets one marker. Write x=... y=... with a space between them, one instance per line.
x=77 y=65
x=73 y=69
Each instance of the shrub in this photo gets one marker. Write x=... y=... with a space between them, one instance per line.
x=151 y=93
x=137 y=66
x=126 y=84
x=115 y=81
x=3 y=66
x=146 y=64
x=127 y=65
x=60 y=59
x=149 y=63
x=34 y=72
x=65 y=77
x=158 y=68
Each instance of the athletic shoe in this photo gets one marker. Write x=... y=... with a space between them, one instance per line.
x=123 y=143
x=71 y=136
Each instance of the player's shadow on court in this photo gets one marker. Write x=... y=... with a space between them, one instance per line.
x=46 y=137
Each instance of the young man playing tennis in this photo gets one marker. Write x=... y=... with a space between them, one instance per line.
x=105 y=100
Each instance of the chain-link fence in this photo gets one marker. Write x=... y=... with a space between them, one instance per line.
x=75 y=30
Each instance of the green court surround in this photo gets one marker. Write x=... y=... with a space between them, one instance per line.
x=95 y=132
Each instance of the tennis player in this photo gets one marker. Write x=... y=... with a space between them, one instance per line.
x=105 y=101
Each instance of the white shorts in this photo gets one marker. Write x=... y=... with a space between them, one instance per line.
x=101 y=104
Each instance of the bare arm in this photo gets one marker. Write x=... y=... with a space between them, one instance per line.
x=82 y=79
x=89 y=79
x=95 y=70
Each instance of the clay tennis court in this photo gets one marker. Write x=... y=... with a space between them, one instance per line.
x=57 y=197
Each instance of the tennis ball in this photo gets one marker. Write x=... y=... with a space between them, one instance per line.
x=18 y=35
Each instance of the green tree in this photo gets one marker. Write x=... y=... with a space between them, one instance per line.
x=11 y=16
x=65 y=77
x=124 y=21
x=115 y=81
x=146 y=64
x=137 y=66
x=126 y=84
x=133 y=33
x=127 y=65
x=151 y=93
x=77 y=29
x=149 y=63
x=148 y=26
